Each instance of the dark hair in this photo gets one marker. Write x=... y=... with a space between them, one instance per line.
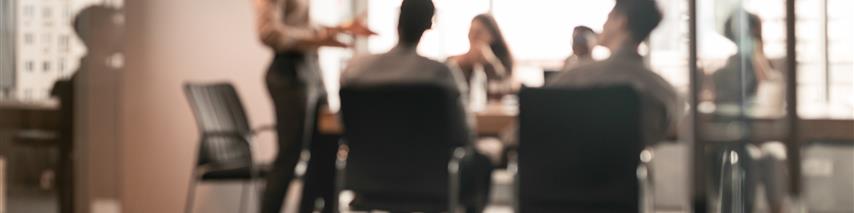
x=642 y=17
x=753 y=24
x=498 y=44
x=93 y=18
x=416 y=16
x=580 y=41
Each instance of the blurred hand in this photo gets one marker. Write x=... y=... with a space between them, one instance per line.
x=481 y=53
x=328 y=37
x=357 y=28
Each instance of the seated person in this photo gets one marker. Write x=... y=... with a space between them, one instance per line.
x=748 y=79
x=488 y=51
x=583 y=42
x=629 y=24
x=402 y=64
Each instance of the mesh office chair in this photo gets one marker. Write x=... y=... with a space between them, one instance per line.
x=579 y=151
x=225 y=147
x=403 y=147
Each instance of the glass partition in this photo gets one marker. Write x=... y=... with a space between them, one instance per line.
x=60 y=63
x=742 y=118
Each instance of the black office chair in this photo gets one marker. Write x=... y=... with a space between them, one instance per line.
x=579 y=150
x=225 y=147
x=403 y=147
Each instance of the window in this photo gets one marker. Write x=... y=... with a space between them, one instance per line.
x=30 y=66
x=64 y=41
x=825 y=58
x=46 y=66
x=60 y=67
x=28 y=38
x=448 y=36
x=541 y=30
x=47 y=12
x=28 y=94
x=547 y=40
x=47 y=38
x=29 y=11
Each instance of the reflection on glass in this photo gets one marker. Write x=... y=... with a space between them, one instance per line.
x=741 y=44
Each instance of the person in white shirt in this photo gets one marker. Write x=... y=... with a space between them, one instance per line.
x=628 y=25
x=402 y=64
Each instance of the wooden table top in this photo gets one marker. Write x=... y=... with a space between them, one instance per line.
x=496 y=119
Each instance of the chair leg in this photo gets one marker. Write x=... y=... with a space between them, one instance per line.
x=244 y=196
x=191 y=193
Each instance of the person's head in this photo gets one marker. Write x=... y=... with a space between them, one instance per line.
x=630 y=23
x=416 y=16
x=583 y=41
x=99 y=27
x=484 y=30
x=741 y=24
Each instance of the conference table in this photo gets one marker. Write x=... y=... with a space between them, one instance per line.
x=498 y=118
x=493 y=120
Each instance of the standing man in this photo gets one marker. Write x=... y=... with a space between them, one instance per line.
x=296 y=87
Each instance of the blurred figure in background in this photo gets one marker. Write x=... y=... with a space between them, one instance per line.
x=749 y=85
x=100 y=30
x=628 y=25
x=488 y=54
x=296 y=87
x=749 y=72
x=583 y=42
x=402 y=64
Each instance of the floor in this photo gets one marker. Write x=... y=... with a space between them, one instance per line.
x=828 y=175
x=30 y=199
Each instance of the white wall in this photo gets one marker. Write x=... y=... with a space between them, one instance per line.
x=171 y=42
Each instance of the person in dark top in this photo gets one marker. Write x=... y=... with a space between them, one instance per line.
x=738 y=81
x=296 y=87
x=403 y=65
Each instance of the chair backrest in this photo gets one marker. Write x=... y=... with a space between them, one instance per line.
x=222 y=123
x=401 y=138
x=579 y=150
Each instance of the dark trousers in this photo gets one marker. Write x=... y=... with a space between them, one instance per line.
x=475 y=181
x=292 y=95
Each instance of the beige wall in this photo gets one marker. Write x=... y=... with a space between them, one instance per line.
x=171 y=42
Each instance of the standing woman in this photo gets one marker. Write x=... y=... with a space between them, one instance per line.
x=295 y=85
x=487 y=49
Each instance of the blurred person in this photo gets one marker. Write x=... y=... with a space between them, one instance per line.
x=628 y=25
x=402 y=64
x=487 y=51
x=747 y=72
x=100 y=30
x=295 y=84
x=583 y=42
x=749 y=82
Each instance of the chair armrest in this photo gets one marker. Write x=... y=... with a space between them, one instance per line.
x=454 y=166
x=646 y=182
x=204 y=168
x=225 y=134
x=264 y=128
